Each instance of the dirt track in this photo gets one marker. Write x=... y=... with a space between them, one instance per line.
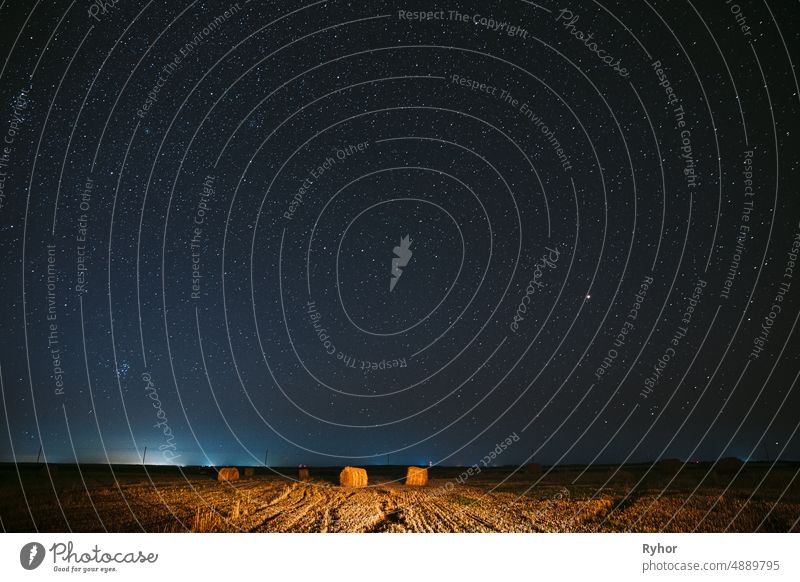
x=326 y=508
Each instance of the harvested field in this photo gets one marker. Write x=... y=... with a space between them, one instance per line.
x=565 y=499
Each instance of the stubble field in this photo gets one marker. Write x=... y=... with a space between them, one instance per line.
x=565 y=499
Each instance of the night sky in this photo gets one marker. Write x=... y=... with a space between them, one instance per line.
x=351 y=232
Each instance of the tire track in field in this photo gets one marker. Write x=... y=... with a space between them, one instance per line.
x=295 y=508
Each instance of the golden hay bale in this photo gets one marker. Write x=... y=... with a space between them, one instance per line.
x=416 y=476
x=353 y=477
x=228 y=474
x=249 y=471
x=302 y=474
x=533 y=470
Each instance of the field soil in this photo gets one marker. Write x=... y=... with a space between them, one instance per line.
x=94 y=498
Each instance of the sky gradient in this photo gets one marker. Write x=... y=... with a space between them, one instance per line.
x=398 y=233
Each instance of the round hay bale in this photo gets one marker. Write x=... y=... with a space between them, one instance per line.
x=249 y=471
x=228 y=474
x=416 y=476
x=353 y=477
x=302 y=474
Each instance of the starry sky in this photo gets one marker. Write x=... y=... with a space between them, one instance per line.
x=398 y=232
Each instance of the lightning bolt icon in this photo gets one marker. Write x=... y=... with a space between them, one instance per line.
x=34 y=551
x=403 y=255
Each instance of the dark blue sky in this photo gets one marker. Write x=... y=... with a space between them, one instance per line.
x=201 y=203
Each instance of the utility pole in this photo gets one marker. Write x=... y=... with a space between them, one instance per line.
x=266 y=456
x=144 y=455
x=39 y=455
